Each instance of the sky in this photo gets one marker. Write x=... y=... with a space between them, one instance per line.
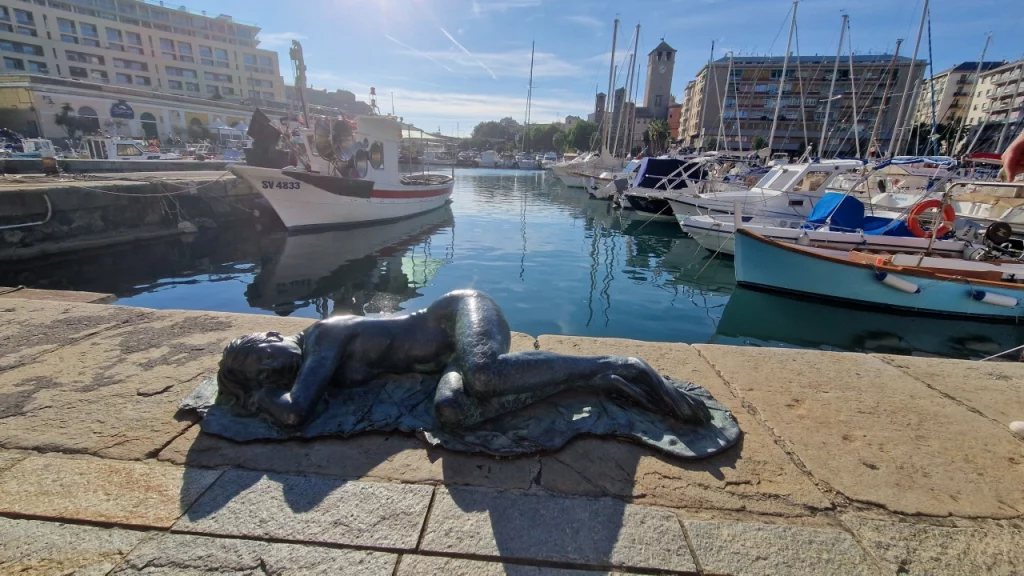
x=453 y=63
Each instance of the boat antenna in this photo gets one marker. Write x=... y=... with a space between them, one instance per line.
x=782 y=79
x=300 y=78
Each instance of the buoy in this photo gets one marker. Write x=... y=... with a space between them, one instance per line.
x=1017 y=428
x=993 y=298
x=897 y=283
x=914 y=218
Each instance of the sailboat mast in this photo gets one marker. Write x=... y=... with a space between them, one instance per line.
x=873 y=142
x=631 y=128
x=736 y=105
x=853 y=94
x=832 y=89
x=721 y=117
x=611 y=80
x=529 y=97
x=629 y=88
x=705 y=93
x=898 y=130
x=782 y=80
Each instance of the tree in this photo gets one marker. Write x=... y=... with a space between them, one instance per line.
x=489 y=129
x=541 y=137
x=758 y=143
x=658 y=131
x=580 y=135
x=67 y=120
x=558 y=142
x=198 y=132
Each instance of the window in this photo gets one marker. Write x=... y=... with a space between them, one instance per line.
x=206 y=62
x=69 y=39
x=38 y=67
x=121 y=78
x=254 y=93
x=215 y=77
x=27 y=31
x=114 y=35
x=136 y=50
x=14 y=63
x=20 y=48
x=133 y=38
x=188 y=59
x=66 y=26
x=4 y=14
x=143 y=81
x=128 y=150
x=220 y=53
x=77 y=72
x=89 y=30
x=227 y=91
x=24 y=17
x=167 y=45
x=182 y=72
x=83 y=57
x=130 y=64
x=192 y=86
x=169 y=56
x=268 y=95
x=90 y=42
x=99 y=75
x=249 y=59
x=184 y=48
x=263 y=83
x=4 y=27
x=174 y=84
x=266 y=61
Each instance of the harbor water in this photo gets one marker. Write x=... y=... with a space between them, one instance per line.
x=556 y=261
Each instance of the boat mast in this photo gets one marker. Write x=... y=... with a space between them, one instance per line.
x=898 y=130
x=853 y=93
x=631 y=127
x=629 y=90
x=782 y=79
x=873 y=142
x=721 y=116
x=300 y=79
x=611 y=80
x=832 y=89
x=736 y=105
x=705 y=93
x=529 y=97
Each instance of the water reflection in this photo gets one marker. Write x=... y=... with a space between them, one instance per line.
x=360 y=271
x=776 y=318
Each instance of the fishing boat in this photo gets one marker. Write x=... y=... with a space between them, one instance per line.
x=336 y=171
x=838 y=221
x=986 y=290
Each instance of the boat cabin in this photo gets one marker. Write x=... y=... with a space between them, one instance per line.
x=805 y=177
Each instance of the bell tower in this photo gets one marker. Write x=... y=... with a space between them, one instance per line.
x=660 y=64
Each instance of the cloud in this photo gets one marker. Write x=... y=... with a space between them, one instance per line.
x=418 y=52
x=585 y=20
x=271 y=40
x=467 y=53
x=515 y=63
x=482 y=6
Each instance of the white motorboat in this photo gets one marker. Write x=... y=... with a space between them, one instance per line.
x=658 y=179
x=609 y=185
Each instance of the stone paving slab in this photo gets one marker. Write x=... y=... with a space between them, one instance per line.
x=750 y=549
x=410 y=565
x=756 y=475
x=310 y=509
x=9 y=458
x=44 y=548
x=992 y=388
x=21 y=293
x=878 y=435
x=919 y=549
x=115 y=393
x=123 y=493
x=597 y=532
x=169 y=554
x=391 y=457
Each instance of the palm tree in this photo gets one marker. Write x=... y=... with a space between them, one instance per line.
x=658 y=131
x=758 y=143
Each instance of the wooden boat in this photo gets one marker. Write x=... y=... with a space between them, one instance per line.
x=988 y=290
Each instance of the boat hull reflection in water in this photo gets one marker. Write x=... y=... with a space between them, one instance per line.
x=356 y=271
x=791 y=320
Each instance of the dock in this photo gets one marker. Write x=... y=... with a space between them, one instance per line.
x=43 y=215
x=849 y=464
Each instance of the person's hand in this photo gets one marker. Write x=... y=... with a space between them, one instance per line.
x=1013 y=159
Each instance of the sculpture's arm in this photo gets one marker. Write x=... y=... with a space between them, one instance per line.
x=323 y=351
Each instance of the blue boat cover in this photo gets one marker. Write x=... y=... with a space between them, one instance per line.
x=653 y=170
x=847 y=214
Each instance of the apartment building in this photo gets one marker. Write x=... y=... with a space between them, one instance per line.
x=735 y=103
x=950 y=90
x=997 y=109
x=141 y=45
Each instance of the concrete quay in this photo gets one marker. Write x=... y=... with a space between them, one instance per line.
x=43 y=215
x=850 y=464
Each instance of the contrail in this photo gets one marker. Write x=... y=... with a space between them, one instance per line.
x=463 y=48
x=418 y=53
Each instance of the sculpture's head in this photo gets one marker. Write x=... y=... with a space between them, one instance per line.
x=256 y=361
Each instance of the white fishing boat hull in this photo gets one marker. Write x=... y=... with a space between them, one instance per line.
x=573 y=180
x=817 y=273
x=719 y=236
x=303 y=205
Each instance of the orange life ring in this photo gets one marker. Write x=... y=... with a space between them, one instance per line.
x=914 y=219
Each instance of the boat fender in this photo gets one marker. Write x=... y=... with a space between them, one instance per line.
x=897 y=283
x=993 y=298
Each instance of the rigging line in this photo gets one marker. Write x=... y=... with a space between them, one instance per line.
x=932 y=142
